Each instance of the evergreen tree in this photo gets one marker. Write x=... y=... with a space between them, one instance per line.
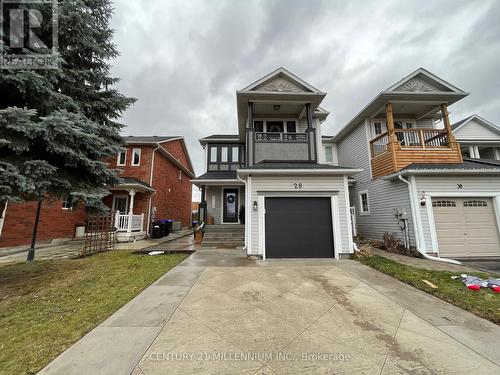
x=58 y=126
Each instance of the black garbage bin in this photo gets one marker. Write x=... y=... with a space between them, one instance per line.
x=164 y=228
x=169 y=226
x=156 y=232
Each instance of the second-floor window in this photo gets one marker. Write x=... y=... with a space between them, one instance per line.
x=224 y=157
x=378 y=127
x=213 y=154
x=122 y=158
x=275 y=126
x=328 y=154
x=136 y=156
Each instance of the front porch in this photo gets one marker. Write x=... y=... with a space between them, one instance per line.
x=130 y=203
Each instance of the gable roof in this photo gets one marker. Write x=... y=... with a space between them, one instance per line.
x=420 y=85
x=460 y=124
x=141 y=139
x=222 y=138
x=281 y=80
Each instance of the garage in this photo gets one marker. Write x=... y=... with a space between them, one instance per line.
x=466 y=227
x=298 y=227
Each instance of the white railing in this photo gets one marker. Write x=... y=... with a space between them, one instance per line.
x=129 y=222
x=281 y=137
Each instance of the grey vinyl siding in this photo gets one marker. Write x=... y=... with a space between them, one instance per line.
x=449 y=184
x=425 y=123
x=283 y=185
x=475 y=131
x=384 y=196
x=216 y=191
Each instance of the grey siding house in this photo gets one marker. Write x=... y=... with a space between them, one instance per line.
x=416 y=181
x=271 y=175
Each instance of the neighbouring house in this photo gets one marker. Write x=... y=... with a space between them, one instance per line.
x=415 y=181
x=156 y=173
x=478 y=138
x=270 y=177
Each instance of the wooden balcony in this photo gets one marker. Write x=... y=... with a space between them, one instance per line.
x=412 y=146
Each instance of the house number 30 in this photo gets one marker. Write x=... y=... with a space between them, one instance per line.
x=297 y=185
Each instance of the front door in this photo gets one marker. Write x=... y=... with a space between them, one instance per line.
x=120 y=203
x=230 y=206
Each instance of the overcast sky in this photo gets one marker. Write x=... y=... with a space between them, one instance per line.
x=184 y=60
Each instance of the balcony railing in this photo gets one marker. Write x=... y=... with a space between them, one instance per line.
x=412 y=139
x=281 y=137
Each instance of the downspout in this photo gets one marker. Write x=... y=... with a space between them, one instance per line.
x=151 y=184
x=414 y=207
x=246 y=212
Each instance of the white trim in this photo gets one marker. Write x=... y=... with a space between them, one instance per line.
x=482 y=121
x=348 y=213
x=419 y=230
x=336 y=230
x=432 y=224
x=428 y=75
x=218 y=182
x=118 y=164
x=222 y=205
x=361 y=212
x=369 y=151
x=261 y=207
x=466 y=194
x=300 y=171
x=286 y=73
x=248 y=214
x=139 y=151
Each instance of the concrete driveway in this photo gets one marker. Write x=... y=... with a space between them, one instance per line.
x=317 y=317
x=219 y=313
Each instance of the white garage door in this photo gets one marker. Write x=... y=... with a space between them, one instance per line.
x=466 y=227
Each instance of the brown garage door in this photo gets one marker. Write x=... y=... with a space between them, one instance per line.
x=466 y=227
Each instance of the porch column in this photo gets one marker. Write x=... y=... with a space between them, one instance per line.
x=447 y=125
x=202 y=208
x=131 y=193
x=311 y=133
x=250 y=134
x=390 y=123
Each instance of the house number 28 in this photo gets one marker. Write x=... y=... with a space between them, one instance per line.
x=297 y=185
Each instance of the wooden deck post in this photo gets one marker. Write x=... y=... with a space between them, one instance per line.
x=390 y=122
x=447 y=125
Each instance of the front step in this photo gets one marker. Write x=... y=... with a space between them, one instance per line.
x=220 y=235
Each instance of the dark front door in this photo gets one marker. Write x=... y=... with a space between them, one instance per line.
x=298 y=227
x=230 y=206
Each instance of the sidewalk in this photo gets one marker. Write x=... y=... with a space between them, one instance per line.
x=70 y=249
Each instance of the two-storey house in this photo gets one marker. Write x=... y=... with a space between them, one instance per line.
x=155 y=172
x=271 y=174
x=415 y=181
x=478 y=138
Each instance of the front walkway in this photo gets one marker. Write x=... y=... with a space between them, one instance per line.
x=219 y=313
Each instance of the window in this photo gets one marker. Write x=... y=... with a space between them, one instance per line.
x=234 y=154
x=328 y=154
x=213 y=154
x=136 y=156
x=274 y=126
x=475 y=204
x=364 y=203
x=409 y=125
x=223 y=154
x=291 y=127
x=122 y=158
x=378 y=128
x=444 y=204
x=259 y=126
x=67 y=203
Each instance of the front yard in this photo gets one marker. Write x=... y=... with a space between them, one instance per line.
x=47 y=306
x=484 y=303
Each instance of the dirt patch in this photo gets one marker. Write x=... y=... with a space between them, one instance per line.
x=366 y=324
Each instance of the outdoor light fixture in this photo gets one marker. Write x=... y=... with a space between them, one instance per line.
x=423 y=201
x=276 y=107
x=255 y=205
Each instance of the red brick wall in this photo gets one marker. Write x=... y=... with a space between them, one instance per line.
x=173 y=196
x=141 y=171
x=177 y=150
x=54 y=222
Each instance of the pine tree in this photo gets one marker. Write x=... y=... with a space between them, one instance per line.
x=58 y=126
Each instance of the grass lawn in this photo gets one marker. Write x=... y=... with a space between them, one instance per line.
x=484 y=303
x=48 y=305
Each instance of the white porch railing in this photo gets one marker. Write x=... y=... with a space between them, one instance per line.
x=129 y=222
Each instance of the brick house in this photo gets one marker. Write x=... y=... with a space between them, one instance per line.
x=156 y=173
